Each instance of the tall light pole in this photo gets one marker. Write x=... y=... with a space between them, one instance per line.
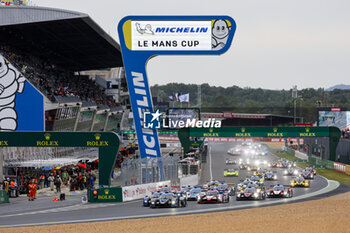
x=294 y=96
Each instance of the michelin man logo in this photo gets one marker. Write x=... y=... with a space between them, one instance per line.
x=220 y=30
x=147 y=30
x=11 y=82
x=151 y=120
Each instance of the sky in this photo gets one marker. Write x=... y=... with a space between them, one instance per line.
x=278 y=44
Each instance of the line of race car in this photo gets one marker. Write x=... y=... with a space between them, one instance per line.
x=251 y=188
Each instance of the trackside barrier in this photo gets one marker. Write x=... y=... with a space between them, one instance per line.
x=189 y=180
x=340 y=167
x=139 y=191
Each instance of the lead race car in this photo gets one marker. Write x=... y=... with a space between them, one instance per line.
x=230 y=172
x=213 y=196
x=252 y=191
x=169 y=200
x=147 y=199
x=279 y=191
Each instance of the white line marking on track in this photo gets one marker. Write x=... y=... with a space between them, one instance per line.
x=69 y=208
x=210 y=167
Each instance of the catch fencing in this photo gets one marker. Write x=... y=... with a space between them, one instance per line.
x=149 y=170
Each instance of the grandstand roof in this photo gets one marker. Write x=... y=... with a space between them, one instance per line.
x=69 y=39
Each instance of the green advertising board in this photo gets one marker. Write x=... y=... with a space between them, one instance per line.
x=196 y=144
x=114 y=194
x=106 y=142
x=3 y=197
x=268 y=132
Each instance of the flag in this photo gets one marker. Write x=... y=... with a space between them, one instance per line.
x=176 y=96
x=184 y=98
x=171 y=97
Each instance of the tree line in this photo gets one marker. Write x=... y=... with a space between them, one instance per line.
x=256 y=100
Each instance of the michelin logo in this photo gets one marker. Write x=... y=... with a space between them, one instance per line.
x=151 y=120
x=220 y=33
x=147 y=30
x=11 y=82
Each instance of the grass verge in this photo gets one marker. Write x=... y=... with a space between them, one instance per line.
x=329 y=174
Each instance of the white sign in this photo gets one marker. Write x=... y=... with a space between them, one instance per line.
x=140 y=191
x=171 y=35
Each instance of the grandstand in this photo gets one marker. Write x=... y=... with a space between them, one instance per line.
x=55 y=50
x=52 y=48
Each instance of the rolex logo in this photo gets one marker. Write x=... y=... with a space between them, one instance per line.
x=47 y=136
x=275 y=130
x=211 y=130
x=97 y=136
x=243 y=130
x=307 y=130
x=106 y=191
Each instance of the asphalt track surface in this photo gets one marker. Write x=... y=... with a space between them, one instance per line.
x=74 y=212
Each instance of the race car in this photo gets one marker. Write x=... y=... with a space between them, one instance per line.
x=269 y=175
x=186 y=189
x=310 y=169
x=243 y=166
x=234 y=151
x=252 y=191
x=193 y=194
x=230 y=161
x=285 y=164
x=300 y=182
x=165 y=189
x=169 y=200
x=225 y=188
x=211 y=184
x=252 y=168
x=213 y=196
x=257 y=179
x=260 y=172
x=291 y=171
x=279 y=191
x=244 y=184
x=307 y=175
x=231 y=172
x=275 y=164
x=147 y=199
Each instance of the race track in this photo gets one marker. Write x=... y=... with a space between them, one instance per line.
x=76 y=212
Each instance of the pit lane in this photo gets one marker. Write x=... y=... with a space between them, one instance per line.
x=114 y=211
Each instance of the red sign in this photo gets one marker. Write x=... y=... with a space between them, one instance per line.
x=335 y=109
x=303 y=124
x=227 y=114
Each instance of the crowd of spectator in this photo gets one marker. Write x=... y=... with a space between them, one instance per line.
x=56 y=81
x=76 y=177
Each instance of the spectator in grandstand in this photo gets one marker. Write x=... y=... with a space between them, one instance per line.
x=53 y=81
